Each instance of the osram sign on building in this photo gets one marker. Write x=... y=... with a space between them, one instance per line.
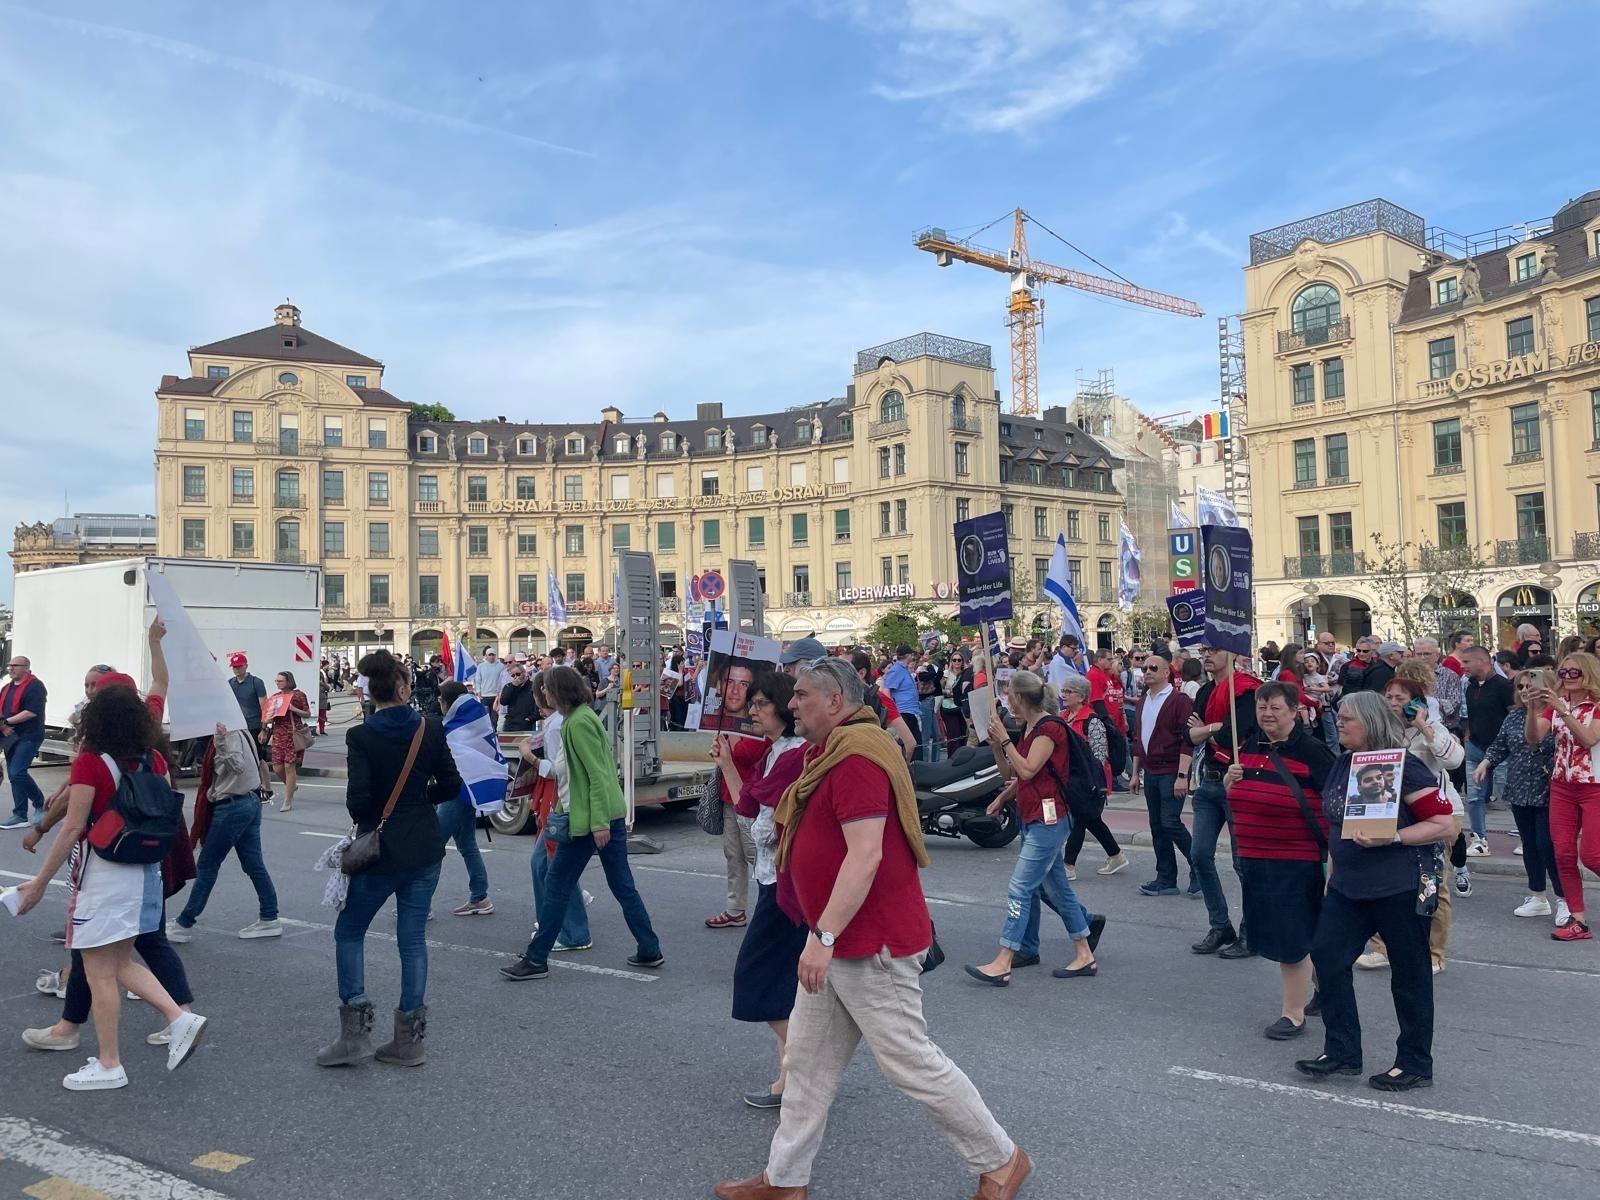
x=1464 y=379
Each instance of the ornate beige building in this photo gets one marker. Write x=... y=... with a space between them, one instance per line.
x=82 y=538
x=1434 y=389
x=282 y=445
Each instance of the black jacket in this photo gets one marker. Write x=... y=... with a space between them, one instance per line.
x=377 y=751
x=1487 y=705
x=1217 y=752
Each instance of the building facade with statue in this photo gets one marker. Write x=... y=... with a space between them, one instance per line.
x=281 y=445
x=81 y=538
x=1438 y=391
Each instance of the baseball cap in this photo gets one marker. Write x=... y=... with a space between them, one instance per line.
x=1390 y=648
x=115 y=679
x=237 y=659
x=803 y=651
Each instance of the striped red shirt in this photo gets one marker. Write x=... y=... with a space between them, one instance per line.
x=1267 y=819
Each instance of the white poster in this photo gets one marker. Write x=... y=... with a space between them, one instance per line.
x=736 y=659
x=198 y=695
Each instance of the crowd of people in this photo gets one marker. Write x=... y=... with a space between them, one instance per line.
x=821 y=812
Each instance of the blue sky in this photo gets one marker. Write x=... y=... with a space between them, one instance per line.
x=538 y=209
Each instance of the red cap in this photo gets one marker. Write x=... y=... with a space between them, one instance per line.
x=115 y=679
x=237 y=659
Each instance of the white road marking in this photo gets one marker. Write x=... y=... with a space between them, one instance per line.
x=1389 y=1106
x=21 y=875
x=675 y=870
x=555 y=961
x=1479 y=962
x=98 y=1172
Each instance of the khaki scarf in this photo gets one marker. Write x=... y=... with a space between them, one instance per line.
x=859 y=734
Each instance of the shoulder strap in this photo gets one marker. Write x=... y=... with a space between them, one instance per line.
x=405 y=773
x=1295 y=790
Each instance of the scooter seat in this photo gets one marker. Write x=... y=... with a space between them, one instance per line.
x=963 y=764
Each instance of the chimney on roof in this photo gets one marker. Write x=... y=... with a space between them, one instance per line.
x=611 y=414
x=708 y=412
x=286 y=314
x=168 y=380
x=1055 y=416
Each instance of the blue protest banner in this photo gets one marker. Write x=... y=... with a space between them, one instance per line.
x=1225 y=553
x=983 y=569
x=1188 y=611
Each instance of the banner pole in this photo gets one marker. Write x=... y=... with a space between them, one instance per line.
x=1233 y=708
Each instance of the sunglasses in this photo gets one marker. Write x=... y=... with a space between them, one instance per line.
x=1569 y=673
x=1153 y=667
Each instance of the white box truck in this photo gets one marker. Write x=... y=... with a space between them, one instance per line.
x=68 y=619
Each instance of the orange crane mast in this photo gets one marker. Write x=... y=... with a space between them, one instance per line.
x=1025 y=309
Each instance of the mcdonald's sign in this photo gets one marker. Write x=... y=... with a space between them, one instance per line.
x=1525 y=600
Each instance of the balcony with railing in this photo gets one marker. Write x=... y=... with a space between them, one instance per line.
x=286 y=500
x=244 y=500
x=796 y=599
x=1314 y=335
x=241 y=552
x=1516 y=552
x=288 y=444
x=1325 y=566
x=885 y=428
x=380 y=610
x=336 y=610
x=1447 y=558
x=428 y=506
x=285 y=555
x=963 y=423
x=429 y=610
x=1354 y=220
x=1586 y=546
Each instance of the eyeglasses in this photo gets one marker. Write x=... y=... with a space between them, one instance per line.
x=757 y=703
x=518 y=674
x=1153 y=667
x=1569 y=673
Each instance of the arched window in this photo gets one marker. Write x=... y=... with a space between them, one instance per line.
x=958 y=409
x=288 y=378
x=892 y=407
x=1316 y=307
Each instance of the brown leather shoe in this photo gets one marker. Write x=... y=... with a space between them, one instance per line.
x=1006 y=1182
x=757 y=1188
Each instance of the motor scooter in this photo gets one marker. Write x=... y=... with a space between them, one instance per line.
x=953 y=793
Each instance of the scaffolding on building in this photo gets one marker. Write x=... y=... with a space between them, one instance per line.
x=1235 y=457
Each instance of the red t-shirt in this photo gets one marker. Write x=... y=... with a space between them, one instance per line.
x=1452 y=663
x=1032 y=793
x=1108 y=688
x=90 y=770
x=891 y=710
x=894 y=914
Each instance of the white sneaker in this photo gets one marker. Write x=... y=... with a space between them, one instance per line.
x=588 y=898
x=1518 y=850
x=1563 y=913
x=1072 y=874
x=1532 y=906
x=95 y=1078
x=1477 y=847
x=161 y=1037
x=1438 y=968
x=262 y=929
x=185 y=1035
x=178 y=934
x=50 y=983
x=1113 y=864
x=1372 y=961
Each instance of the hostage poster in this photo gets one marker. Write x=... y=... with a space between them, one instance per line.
x=735 y=661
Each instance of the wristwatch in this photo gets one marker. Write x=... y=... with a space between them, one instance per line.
x=827 y=939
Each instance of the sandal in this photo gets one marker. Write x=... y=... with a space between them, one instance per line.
x=726 y=920
x=982 y=976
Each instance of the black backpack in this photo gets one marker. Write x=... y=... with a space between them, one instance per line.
x=1084 y=789
x=144 y=819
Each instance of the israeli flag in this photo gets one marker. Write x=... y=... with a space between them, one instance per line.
x=462 y=668
x=473 y=744
x=1058 y=586
x=1132 y=582
x=558 y=602
x=1215 y=508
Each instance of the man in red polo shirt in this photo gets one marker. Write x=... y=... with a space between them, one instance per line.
x=851 y=852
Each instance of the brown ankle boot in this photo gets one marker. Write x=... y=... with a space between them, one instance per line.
x=1005 y=1182
x=757 y=1188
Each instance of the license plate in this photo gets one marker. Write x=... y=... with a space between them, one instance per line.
x=689 y=791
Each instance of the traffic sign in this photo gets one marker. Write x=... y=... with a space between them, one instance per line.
x=304 y=645
x=712 y=586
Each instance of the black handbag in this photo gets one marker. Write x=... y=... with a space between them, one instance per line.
x=364 y=849
x=710 y=812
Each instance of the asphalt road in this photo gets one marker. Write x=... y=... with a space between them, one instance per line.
x=600 y=1082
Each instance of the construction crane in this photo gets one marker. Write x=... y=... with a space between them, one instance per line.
x=1024 y=309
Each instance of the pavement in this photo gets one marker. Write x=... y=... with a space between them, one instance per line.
x=607 y=1083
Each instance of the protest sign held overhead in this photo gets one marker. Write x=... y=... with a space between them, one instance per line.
x=735 y=661
x=1225 y=556
x=1188 y=611
x=983 y=569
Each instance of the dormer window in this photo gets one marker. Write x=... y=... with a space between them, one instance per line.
x=288 y=378
x=669 y=443
x=574 y=443
x=623 y=444
x=713 y=439
x=758 y=436
x=215 y=371
x=288 y=343
x=1447 y=291
x=355 y=381
x=802 y=430
x=427 y=443
x=527 y=445
x=1527 y=266
x=477 y=444
x=1038 y=435
x=847 y=424
x=1005 y=428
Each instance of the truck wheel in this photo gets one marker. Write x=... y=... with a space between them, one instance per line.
x=1002 y=833
x=516 y=817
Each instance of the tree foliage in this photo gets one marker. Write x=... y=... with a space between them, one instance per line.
x=1405 y=573
x=430 y=412
x=902 y=624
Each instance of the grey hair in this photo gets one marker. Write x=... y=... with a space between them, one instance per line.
x=837 y=675
x=1076 y=683
x=1384 y=731
x=1033 y=691
x=1426 y=641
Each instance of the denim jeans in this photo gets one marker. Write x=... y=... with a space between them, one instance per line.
x=235 y=825
x=24 y=790
x=932 y=735
x=575 y=928
x=1169 y=836
x=459 y=823
x=1041 y=869
x=562 y=885
x=1210 y=816
x=1478 y=794
x=413 y=893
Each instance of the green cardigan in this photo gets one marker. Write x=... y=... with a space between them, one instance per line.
x=596 y=796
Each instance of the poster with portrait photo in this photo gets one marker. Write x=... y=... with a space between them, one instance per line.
x=1372 y=794
x=734 y=662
